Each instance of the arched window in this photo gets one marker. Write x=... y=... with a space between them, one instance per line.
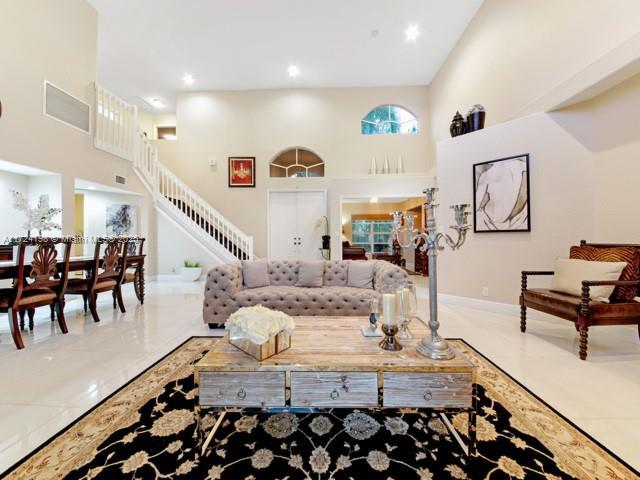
x=296 y=162
x=389 y=120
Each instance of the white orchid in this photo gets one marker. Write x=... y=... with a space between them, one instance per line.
x=38 y=218
x=258 y=323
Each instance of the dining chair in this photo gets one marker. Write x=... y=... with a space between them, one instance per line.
x=105 y=275
x=135 y=247
x=41 y=283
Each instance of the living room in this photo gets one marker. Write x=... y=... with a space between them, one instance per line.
x=228 y=249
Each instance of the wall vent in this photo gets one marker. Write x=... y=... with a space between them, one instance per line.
x=121 y=180
x=66 y=108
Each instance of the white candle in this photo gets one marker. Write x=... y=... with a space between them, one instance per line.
x=388 y=308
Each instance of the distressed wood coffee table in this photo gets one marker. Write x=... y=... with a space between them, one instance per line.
x=331 y=365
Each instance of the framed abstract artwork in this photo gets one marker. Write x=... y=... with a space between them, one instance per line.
x=242 y=171
x=501 y=195
x=121 y=220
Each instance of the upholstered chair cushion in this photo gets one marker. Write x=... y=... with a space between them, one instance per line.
x=310 y=274
x=631 y=272
x=360 y=274
x=255 y=273
x=570 y=272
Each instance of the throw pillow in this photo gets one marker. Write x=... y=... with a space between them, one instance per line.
x=310 y=274
x=360 y=274
x=631 y=272
x=255 y=273
x=570 y=272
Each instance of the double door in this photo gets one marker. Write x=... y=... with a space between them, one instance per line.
x=292 y=224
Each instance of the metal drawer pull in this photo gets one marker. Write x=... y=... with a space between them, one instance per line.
x=334 y=394
x=242 y=394
x=427 y=395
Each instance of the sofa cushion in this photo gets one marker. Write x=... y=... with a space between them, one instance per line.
x=570 y=272
x=335 y=273
x=330 y=301
x=283 y=272
x=360 y=274
x=310 y=274
x=254 y=273
x=631 y=272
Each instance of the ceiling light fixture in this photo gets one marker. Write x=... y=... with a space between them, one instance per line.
x=294 y=71
x=188 y=79
x=412 y=33
x=156 y=102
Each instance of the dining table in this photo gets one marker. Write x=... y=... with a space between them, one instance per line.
x=9 y=269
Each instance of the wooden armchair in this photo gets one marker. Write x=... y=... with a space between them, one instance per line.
x=42 y=283
x=105 y=275
x=584 y=311
x=135 y=247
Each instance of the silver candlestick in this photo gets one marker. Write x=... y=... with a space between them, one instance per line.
x=433 y=346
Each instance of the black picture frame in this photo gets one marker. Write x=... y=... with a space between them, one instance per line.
x=252 y=179
x=481 y=168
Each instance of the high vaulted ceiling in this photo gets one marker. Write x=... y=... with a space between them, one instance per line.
x=145 y=47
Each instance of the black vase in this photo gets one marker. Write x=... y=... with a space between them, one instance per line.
x=326 y=242
x=458 y=125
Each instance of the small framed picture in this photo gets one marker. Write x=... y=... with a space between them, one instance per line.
x=242 y=171
x=501 y=195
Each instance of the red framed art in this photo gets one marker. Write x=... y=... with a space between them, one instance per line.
x=242 y=171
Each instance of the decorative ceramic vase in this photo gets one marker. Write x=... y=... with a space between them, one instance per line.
x=458 y=125
x=190 y=274
x=475 y=118
x=326 y=242
x=385 y=166
x=373 y=168
x=400 y=167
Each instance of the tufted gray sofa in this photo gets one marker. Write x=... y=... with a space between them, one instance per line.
x=225 y=293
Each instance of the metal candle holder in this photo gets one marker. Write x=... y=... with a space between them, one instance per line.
x=433 y=346
x=389 y=341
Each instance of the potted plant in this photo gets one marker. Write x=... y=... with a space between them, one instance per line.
x=191 y=271
x=322 y=224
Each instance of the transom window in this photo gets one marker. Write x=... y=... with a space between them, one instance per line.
x=389 y=120
x=373 y=235
x=297 y=162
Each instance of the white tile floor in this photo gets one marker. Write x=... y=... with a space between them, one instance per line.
x=58 y=377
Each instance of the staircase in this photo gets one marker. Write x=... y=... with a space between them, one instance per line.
x=118 y=133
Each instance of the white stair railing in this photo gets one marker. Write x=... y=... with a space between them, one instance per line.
x=117 y=132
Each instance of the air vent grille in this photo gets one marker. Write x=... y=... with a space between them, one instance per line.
x=66 y=108
x=121 y=180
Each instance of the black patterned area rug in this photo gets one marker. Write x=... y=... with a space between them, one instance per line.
x=148 y=430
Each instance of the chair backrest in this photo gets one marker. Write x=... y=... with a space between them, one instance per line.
x=111 y=264
x=135 y=246
x=46 y=270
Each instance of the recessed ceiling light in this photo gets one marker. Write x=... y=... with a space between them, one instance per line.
x=156 y=102
x=373 y=200
x=412 y=33
x=187 y=79
x=294 y=71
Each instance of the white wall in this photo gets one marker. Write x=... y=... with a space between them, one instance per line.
x=12 y=220
x=513 y=52
x=562 y=205
x=263 y=123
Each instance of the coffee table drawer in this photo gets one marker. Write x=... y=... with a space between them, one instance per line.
x=437 y=390
x=242 y=389
x=334 y=389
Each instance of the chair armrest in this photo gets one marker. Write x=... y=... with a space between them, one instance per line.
x=527 y=273
x=586 y=295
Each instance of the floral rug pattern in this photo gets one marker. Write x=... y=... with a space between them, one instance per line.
x=148 y=430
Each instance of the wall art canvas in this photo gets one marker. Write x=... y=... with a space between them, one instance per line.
x=121 y=220
x=501 y=195
x=242 y=171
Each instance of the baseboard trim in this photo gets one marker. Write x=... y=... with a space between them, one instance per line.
x=487 y=305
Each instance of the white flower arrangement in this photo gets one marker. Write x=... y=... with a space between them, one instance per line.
x=258 y=323
x=38 y=218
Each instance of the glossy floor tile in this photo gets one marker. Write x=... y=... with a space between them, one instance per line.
x=58 y=377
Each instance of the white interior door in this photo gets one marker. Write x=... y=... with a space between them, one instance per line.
x=283 y=229
x=311 y=206
x=292 y=219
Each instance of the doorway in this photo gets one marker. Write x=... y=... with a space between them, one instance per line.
x=292 y=218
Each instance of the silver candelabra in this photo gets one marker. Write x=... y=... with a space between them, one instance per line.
x=433 y=346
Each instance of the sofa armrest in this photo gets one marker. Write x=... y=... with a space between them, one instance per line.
x=388 y=274
x=586 y=294
x=221 y=286
x=526 y=273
